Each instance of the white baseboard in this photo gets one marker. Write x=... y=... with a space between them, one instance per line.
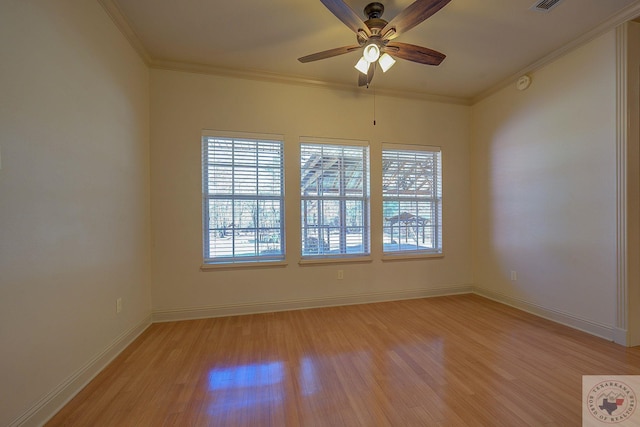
x=575 y=322
x=274 y=306
x=53 y=401
x=620 y=337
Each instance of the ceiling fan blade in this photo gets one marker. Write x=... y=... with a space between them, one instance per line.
x=414 y=53
x=362 y=79
x=343 y=12
x=328 y=53
x=411 y=16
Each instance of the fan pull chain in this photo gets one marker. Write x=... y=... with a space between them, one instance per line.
x=374 y=105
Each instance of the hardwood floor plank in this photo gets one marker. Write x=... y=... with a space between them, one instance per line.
x=446 y=361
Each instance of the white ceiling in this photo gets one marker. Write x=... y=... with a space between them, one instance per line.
x=487 y=42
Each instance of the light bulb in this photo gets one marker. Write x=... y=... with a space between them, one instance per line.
x=371 y=52
x=386 y=62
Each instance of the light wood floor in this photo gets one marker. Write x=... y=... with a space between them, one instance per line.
x=446 y=361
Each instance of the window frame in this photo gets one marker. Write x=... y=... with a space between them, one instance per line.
x=275 y=141
x=342 y=198
x=435 y=200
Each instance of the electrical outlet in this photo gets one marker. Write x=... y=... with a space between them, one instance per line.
x=514 y=275
x=118 y=305
x=340 y=274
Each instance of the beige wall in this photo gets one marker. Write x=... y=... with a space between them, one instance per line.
x=544 y=189
x=74 y=197
x=536 y=167
x=183 y=104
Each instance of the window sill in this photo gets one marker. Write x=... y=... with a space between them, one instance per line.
x=411 y=257
x=321 y=261
x=243 y=265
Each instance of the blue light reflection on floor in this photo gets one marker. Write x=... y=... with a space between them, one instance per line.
x=245 y=387
x=254 y=375
x=308 y=381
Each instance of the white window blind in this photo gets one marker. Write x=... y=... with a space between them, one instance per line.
x=243 y=199
x=334 y=190
x=411 y=199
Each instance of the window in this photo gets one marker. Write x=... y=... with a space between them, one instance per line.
x=411 y=199
x=243 y=198
x=334 y=190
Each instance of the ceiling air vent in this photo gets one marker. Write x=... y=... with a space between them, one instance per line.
x=545 y=5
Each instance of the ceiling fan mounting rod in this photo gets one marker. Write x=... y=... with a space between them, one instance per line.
x=374 y=10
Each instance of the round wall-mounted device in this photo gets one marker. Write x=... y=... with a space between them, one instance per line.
x=523 y=82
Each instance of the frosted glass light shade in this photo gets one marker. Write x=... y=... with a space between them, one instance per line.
x=371 y=52
x=362 y=66
x=386 y=62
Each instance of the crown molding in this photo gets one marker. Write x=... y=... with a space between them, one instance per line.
x=266 y=76
x=121 y=22
x=113 y=10
x=629 y=13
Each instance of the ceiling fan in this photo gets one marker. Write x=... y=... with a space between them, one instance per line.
x=375 y=36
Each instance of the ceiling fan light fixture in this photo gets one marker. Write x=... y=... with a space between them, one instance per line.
x=386 y=61
x=371 y=52
x=375 y=35
x=362 y=66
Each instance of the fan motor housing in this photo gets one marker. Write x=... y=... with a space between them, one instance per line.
x=374 y=11
x=375 y=24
